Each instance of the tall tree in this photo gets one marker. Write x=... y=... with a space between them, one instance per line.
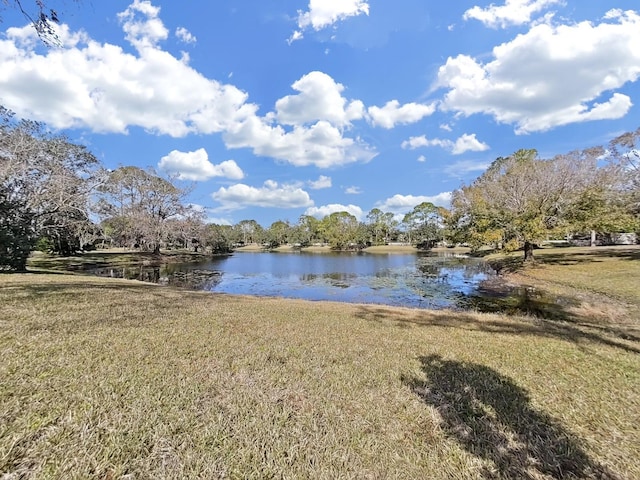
x=471 y=221
x=17 y=233
x=376 y=225
x=603 y=200
x=278 y=233
x=381 y=225
x=138 y=205
x=49 y=177
x=249 y=231
x=599 y=210
x=188 y=229
x=342 y=231
x=219 y=238
x=424 y=224
x=306 y=231
x=520 y=199
x=625 y=153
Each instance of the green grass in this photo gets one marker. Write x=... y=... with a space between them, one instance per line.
x=612 y=271
x=603 y=282
x=106 y=378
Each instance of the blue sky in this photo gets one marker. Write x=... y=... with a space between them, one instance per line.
x=271 y=110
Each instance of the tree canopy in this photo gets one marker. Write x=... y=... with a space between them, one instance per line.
x=522 y=199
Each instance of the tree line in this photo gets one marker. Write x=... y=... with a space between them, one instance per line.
x=55 y=196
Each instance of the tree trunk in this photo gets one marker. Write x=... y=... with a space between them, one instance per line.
x=593 y=238
x=156 y=249
x=528 y=251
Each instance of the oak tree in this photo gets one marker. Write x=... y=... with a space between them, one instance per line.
x=519 y=200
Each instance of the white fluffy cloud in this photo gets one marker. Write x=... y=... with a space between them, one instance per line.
x=401 y=204
x=185 y=35
x=513 y=12
x=270 y=195
x=87 y=84
x=315 y=120
x=392 y=113
x=317 y=117
x=196 y=166
x=322 y=182
x=466 y=143
x=353 y=190
x=423 y=141
x=320 y=98
x=324 y=13
x=323 y=211
x=550 y=76
x=141 y=24
x=321 y=144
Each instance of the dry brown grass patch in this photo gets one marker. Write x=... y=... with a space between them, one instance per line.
x=108 y=378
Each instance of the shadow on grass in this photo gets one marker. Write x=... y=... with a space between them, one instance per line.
x=561 y=256
x=492 y=418
x=535 y=302
x=592 y=254
x=572 y=332
x=64 y=289
x=495 y=296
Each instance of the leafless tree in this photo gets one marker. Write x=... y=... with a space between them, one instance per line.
x=625 y=153
x=138 y=206
x=51 y=177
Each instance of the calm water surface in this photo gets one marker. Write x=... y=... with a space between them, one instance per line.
x=414 y=280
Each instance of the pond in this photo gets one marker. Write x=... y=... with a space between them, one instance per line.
x=443 y=280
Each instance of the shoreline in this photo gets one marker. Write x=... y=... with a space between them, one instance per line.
x=382 y=249
x=572 y=282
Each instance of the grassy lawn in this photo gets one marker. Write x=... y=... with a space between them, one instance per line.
x=604 y=280
x=105 y=378
x=612 y=271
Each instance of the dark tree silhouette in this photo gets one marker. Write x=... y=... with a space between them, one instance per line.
x=40 y=14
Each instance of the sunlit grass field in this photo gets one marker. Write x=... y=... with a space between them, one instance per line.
x=605 y=280
x=613 y=271
x=108 y=379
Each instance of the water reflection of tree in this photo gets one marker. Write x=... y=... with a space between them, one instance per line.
x=195 y=279
x=429 y=269
x=433 y=266
x=491 y=417
x=425 y=281
x=166 y=275
x=336 y=279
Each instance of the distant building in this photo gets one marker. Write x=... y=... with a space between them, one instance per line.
x=604 y=239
